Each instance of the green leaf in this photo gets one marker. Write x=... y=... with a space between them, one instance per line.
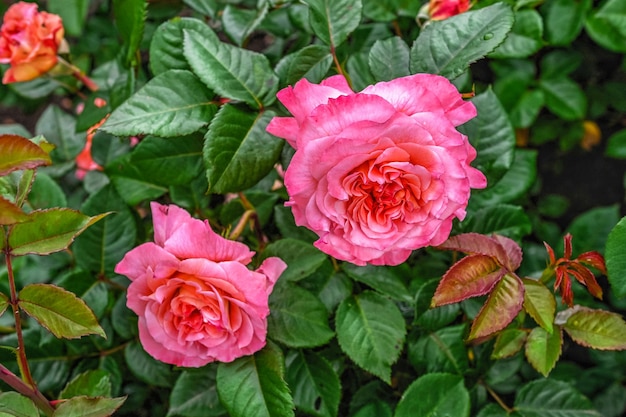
x=240 y=23
x=525 y=37
x=543 y=349
x=59 y=311
x=17 y=153
x=616 y=145
x=508 y=343
x=298 y=319
x=206 y=7
x=166 y=47
x=146 y=368
x=526 y=110
x=539 y=303
x=607 y=26
x=447 y=47
x=381 y=279
x=615 y=260
x=133 y=184
x=502 y=219
x=130 y=17
x=514 y=184
x=255 y=385
x=232 y=72
x=436 y=394
x=552 y=398
x=564 y=98
x=10 y=213
x=49 y=231
x=333 y=20
x=314 y=383
x=72 y=12
x=46 y=193
x=502 y=306
x=16 y=405
x=492 y=135
x=59 y=128
x=93 y=383
x=597 y=329
x=389 y=59
x=472 y=276
x=238 y=152
x=168 y=161
x=441 y=351
x=89 y=407
x=432 y=318
x=174 y=103
x=104 y=244
x=302 y=258
x=371 y=331
x=564 y=20
x=311 y=62
x=195 y=395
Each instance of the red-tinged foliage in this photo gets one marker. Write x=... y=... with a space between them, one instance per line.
x=503 y=305
x=472 y=276
x=506 y=251
x=565 y=267
x=17 y=152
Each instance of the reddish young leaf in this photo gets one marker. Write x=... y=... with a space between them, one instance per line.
x=596 y=329
x=593 y=259
x=505 y=250
x=10 y=213
x=513 y=252
x=502 y=306
x=472 y=276
x=17 y=152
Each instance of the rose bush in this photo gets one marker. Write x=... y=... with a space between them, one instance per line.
x=443 y=9
x=380 y=173
x=29 y=41
x=196 y=300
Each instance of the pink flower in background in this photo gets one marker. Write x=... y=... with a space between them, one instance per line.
x=196 y=300
x=443 y=9
x=29 y=41
x=380 y=173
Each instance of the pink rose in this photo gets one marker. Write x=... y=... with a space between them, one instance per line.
x=29 y=41
x=380 y=173
x=196 y=300
x=443 y=9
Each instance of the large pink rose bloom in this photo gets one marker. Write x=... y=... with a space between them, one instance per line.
x=380 y=173
x=196 y=300
x=29 y=41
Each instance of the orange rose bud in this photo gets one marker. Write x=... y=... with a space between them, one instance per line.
x=29 y=41
x=443 y=9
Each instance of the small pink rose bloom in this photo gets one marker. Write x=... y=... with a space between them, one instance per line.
x=29 y=41
x=196 y=300
x=380 y=173
x=443 y=9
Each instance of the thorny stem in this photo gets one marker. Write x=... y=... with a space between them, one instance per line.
x=28 y=388
x=250 y=215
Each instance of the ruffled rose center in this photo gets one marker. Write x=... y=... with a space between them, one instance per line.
x=199 y=310
x=388 y=191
